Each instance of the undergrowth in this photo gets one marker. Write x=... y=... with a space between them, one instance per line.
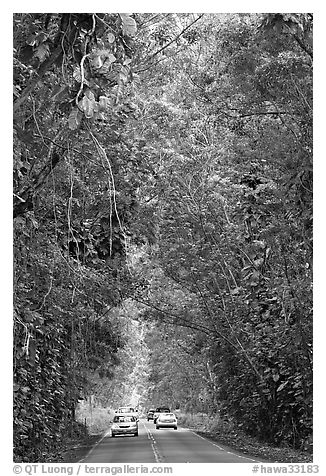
x=227 y=433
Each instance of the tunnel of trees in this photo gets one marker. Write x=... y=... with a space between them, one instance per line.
x=162 y=219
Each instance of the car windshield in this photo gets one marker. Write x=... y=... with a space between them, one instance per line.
x=167 y=415
x=163 y=410
x=121 y=419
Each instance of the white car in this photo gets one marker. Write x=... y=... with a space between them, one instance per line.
x=127 y=410
x=158 y=411
x=167 y=420
x=124 y=424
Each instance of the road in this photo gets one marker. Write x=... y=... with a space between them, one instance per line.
x=161 y=446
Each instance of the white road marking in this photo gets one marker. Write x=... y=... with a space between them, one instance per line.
x=94 y=446
x=158 y=457
x=222 y=449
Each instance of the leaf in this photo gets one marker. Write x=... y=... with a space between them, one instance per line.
x=42 y=52
x=259 y=243
x=282 y=386
x=123 y=76
x=104 y=102
x=111 y=38
x=110 y=59
x=236 y=291
x=88 y=104
x=259 y=262
x=276 y=377
x=122 y=80
x=74 y=119
x=31 y=40
x=102 y=57
x=97 y=62
x=77 y=74
x=32 y=352
x=254 y=281
x=59 y=92
x=129 y=26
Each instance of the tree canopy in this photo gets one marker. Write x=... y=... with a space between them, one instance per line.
x=162 y=219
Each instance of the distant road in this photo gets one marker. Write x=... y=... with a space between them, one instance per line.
x=161 y=446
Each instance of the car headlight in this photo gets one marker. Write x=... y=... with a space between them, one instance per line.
x=114 y=426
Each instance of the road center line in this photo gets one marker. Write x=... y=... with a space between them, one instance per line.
x=158 y=457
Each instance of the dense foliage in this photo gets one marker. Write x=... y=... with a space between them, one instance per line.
x=233 y=214
x=71 y=209
x=163 y=219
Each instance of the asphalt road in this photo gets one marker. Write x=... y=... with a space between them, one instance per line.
x=161 y=446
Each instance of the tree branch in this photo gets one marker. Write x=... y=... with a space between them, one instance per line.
x=21 y=207
x=173 y=40
x=46 y=65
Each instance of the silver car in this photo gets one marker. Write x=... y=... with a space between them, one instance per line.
x=158 y=411
x=167 y=420
x=128 y=410
x=124 y=425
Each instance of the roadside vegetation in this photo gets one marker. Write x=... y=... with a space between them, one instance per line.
x=162 y=223
x=228 y=434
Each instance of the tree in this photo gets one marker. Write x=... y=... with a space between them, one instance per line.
x=163 y=162
x=232 y=211
x=72 y=160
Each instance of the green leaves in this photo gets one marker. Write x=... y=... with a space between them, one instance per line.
x=100 y=57
x=222 y=212
x=129 y=26
x=88 y=104
x=75 y=118
x=70 y=269
x=42 y=52
x=203 y=171
x=283 y=385
x=104 y=103
x=111 y=37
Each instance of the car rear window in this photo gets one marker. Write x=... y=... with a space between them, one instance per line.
x=123 y=418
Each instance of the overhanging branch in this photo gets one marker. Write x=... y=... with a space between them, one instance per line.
x=172 y=41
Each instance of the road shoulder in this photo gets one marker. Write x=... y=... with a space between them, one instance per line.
x=253 y=449
x=76 y=450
